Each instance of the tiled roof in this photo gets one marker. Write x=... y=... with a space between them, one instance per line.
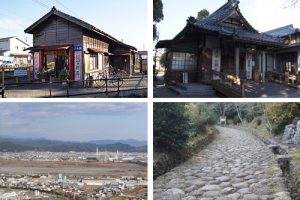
x=215 y=23
x=245 y=33
x=283 y=31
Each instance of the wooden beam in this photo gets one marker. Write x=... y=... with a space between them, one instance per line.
x=263 y=66
x=298 y=59
x=259 y=63
x=274 y=63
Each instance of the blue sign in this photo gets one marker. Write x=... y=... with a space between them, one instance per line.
x=19 y=72
x=78 y=48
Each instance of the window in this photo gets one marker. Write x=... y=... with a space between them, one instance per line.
x=93 y=62
x=184 y=61
x=16 y=47
x=100 y=60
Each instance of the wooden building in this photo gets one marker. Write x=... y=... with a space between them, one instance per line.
x=142 y=61
x=225 y=42
x=62 y=41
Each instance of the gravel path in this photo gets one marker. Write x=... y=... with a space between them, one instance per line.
x=236 y=165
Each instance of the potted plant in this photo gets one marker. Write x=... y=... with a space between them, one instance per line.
x=64 y=76
x=43 y=74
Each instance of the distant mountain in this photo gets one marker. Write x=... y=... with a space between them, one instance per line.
x=131 y=142
x=19 y=145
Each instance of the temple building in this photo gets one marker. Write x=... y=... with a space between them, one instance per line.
x=62 y=41
x=224 y=44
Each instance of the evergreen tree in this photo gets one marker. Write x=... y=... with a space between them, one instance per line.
x=202 y=14
x=171 y=126
x=157 y=16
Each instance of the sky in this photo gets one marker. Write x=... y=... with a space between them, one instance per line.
x=122 y=19
x=263 y=15
x=74 y=121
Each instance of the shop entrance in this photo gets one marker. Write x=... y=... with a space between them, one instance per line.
x=56 y=61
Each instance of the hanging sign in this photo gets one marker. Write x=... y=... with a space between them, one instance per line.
x=249 y=65
x=78 y=62
x=216 y=62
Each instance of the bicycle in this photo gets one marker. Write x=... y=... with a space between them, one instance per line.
x=118 y=77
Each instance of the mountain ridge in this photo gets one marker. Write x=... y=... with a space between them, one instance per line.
x=19 y=145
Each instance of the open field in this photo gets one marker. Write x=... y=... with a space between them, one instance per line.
x=72 y=168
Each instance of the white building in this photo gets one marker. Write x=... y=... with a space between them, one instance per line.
x=13 y=48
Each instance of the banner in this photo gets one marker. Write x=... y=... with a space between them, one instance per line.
x=78 y=62
x=36 y=64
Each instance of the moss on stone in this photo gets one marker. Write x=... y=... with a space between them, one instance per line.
x=296 y=156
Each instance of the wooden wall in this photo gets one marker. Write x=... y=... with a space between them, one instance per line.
x=189 y=47
x=57 y=31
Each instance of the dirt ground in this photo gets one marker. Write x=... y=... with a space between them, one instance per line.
x=72 y=168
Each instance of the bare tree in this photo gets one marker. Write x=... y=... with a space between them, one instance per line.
x=291 y=3
x=239 y=113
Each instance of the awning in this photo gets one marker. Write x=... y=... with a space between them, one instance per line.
x=99 y=51
x=49 y=48
x=20 y=54
x=122 y=54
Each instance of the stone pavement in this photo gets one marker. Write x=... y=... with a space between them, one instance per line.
x=236 y=165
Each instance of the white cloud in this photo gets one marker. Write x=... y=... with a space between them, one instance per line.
x=269 y=14
x=11 y=24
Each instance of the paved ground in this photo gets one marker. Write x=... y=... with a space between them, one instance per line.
x=269 y=89
x=235 y=166
x=42 y=90
x=159 y=89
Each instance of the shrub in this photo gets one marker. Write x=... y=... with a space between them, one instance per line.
x=281 y=114
x=171 y=126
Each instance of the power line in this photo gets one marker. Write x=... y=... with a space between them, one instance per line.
x=42 y=4
x=57 y=1
x=14 y=15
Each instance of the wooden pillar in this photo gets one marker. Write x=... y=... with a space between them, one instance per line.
x=298 y=59
x=237 y=61
x=263 y=66
x=259 y=63
x=131 y=67
x=41 y=58
x=71 y=63
x=141 y=63
x=274 y=63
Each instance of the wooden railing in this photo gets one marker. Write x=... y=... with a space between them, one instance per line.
x=283 y=78
x=227 y=83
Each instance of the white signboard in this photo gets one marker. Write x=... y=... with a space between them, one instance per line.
x=78 y=63
x=216 y=62
x=36 y=64
x=249 y=65
x=19 y=72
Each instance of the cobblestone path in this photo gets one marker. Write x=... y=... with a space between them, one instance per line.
x=236 y=165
